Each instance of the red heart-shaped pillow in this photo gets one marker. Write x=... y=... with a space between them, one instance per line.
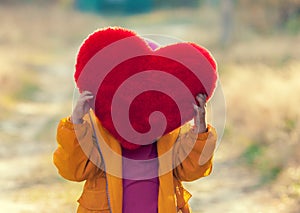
x=141 y=93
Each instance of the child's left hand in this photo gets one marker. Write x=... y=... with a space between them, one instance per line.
x=200 y=112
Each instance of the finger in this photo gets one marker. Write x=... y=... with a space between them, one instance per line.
x=196 y=109
x=86 y=98
x=197 y=115
x=82 y=100
x=85 y=93
x=201 y=98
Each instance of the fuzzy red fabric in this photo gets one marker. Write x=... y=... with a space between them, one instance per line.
x=133 y=81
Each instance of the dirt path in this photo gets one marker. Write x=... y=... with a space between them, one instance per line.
x=230 y=188
x=26 y=168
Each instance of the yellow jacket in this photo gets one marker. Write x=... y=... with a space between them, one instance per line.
x=103 y=191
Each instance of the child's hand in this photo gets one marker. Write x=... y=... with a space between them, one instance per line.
x=200 y=111
x=82 y=107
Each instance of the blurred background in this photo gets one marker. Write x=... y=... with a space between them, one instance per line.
x=256 y=44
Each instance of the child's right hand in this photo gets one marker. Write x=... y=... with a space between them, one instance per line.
x=82 y=107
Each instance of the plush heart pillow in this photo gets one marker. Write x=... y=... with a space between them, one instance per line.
x=142 y=92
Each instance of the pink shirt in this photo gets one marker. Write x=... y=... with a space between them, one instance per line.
x=140 y=179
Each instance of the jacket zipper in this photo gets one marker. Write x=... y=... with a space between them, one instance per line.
x=102 y=159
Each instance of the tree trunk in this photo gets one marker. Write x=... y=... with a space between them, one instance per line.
x=227 y=9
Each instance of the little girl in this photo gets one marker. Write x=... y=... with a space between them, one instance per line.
x=154 y=184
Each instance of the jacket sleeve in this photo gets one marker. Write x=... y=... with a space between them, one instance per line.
x=193 y=154
x=74 y=151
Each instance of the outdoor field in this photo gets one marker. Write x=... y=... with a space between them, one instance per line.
x=257 y=163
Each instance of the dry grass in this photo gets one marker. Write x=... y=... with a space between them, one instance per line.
x=263 y=111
